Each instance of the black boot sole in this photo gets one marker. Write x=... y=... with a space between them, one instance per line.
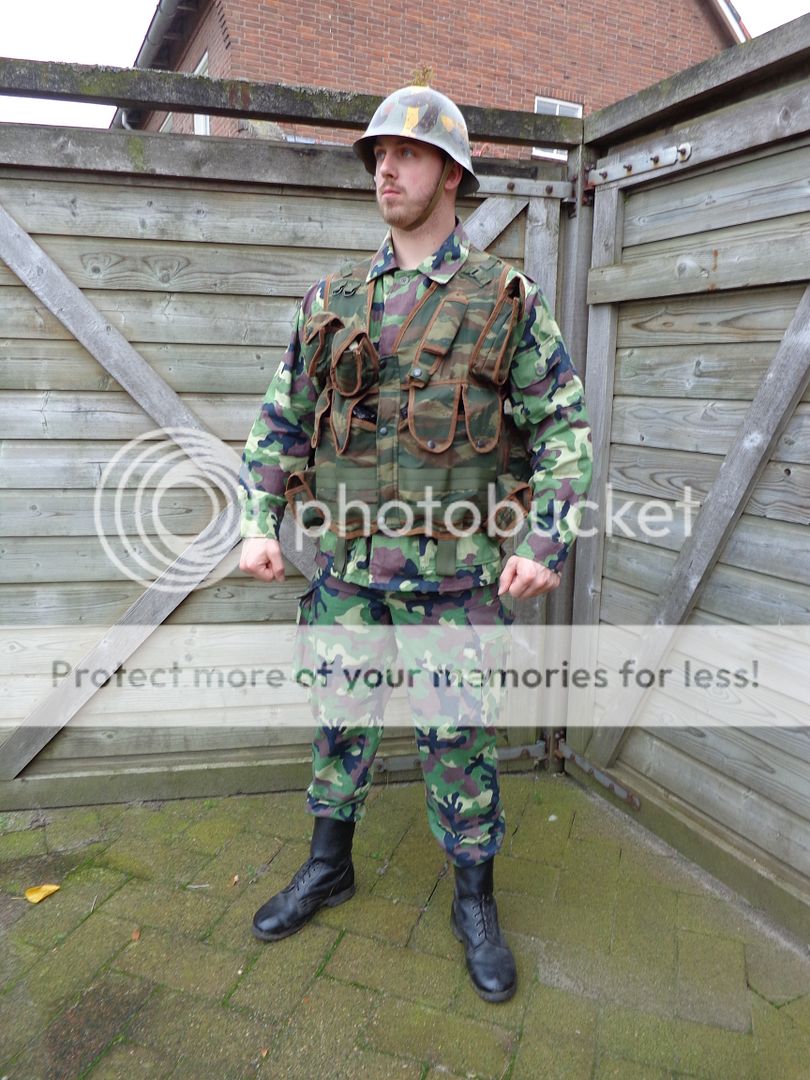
x=494 y=996
x=331 y=901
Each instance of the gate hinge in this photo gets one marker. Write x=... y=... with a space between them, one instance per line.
x=638 y=164
x=561 y=749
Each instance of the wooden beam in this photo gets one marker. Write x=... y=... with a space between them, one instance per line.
x=174 y=91
x=490 y=219
x=608 y=225
x=784 y=49
x=782 y=386
x=542 y=246
x=257 y=161
x=600 y=366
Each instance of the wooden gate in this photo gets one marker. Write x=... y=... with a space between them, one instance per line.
x=698 y=368
x=148 y=283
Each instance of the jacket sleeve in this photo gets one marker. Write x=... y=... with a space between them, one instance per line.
x=548 y=407
x=280 y=439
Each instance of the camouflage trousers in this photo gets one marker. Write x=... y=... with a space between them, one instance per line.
x=351 y=639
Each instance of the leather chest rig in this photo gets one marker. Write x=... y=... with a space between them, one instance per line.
x=428 y=419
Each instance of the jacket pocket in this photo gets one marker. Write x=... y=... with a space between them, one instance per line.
x=512 y=503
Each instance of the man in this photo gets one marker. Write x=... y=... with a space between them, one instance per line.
x=425 y=402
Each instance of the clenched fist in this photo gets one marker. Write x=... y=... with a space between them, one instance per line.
x=262 y=559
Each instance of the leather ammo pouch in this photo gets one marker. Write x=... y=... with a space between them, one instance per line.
x=491 y=355
x=355 y=363
x=316 y=331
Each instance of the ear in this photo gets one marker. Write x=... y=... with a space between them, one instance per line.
x=454 y=177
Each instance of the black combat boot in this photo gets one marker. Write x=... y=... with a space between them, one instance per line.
x=475 y=923
x=325 y=880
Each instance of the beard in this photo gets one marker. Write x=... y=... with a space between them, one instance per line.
x=402 y=211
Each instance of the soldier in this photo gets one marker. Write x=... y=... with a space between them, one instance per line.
x=426 y=399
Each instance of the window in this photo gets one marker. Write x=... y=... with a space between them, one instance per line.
x=168 y=123
x=202 y=124
x=554 y=107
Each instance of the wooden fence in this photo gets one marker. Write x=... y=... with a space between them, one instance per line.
x=150 y=283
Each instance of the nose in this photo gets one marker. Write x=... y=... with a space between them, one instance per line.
x=385 y=164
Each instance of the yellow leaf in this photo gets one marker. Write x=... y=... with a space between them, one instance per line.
x=136 y=935
x=34 y=895
x=234 y=880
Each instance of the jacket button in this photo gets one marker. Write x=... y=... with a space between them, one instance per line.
x=417 y=373
x=382 y=363
x=431 y=445
x=479 y=443
x=383 y=430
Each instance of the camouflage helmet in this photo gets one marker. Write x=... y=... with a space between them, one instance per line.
x=421 y=113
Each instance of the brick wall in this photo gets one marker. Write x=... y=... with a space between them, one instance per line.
x=481 y=53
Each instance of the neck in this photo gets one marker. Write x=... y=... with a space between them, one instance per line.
x=412 y=247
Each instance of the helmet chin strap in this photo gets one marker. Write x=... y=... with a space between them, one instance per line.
x=437 y=194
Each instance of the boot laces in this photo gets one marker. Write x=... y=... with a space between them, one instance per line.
x=303 y=874
x=486 y=918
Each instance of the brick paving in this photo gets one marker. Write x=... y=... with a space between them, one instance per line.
x=633 y=964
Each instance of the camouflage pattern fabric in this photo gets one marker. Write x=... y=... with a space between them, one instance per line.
x=546 y=407
x=454 y=723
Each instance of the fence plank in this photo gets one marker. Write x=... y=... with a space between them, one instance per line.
x=708 y=427
x=780 y=492
x=763 y=253
x=716 y=318
x=745 y=124
x=781 y=388
x=159 y=266
x=732 y=371
x=34 y=414
x=766 y=188
x=203 y=369
x=159 y=317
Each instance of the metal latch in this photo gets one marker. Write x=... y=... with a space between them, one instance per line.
x=639 y=164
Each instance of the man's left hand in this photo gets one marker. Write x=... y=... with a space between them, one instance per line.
x=524 y=578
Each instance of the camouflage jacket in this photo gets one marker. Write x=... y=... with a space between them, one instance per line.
x=545 y=401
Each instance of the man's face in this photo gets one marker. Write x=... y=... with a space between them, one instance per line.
x=406 y=177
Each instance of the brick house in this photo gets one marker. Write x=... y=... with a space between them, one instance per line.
x=556 y=57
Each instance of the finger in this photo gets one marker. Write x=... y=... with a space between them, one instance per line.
x=506 y=578
x=520 y=586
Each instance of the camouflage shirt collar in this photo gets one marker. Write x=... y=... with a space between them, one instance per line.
x=439 y=267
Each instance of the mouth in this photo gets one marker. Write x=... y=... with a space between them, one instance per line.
x=389 y=191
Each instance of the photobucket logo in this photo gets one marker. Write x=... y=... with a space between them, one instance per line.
x=617 y=515
x=459 y=518
x=155 y=497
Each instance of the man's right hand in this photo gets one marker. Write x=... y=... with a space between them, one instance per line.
x=262 y=559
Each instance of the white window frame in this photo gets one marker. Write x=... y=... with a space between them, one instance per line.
x=549 y=106
x=202 y=123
